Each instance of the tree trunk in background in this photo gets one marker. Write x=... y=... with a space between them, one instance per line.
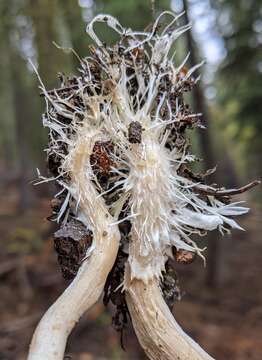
x=44 y=18
x=50 y=60
x=74 y=22
x=240 y=79
x=207 y=150
x=21 y=105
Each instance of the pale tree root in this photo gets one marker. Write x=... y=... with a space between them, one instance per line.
x=50 y=337
x=157 y=330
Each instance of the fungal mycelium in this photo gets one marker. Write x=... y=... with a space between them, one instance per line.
x=120 y=155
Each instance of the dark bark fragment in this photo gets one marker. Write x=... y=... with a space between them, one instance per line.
x=135 y=132
x=71 y=243
x=184 y=256
x=170 y=286
x=101 y=161
x=114 y=294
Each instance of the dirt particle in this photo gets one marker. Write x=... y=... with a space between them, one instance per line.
x=135 y=132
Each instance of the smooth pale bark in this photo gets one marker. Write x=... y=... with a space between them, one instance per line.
x=157 y=330
x=49 y=340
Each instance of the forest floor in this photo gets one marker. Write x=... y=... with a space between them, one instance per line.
x=226 y=321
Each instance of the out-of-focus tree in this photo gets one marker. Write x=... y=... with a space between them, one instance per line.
x=207 y=149
x=133 y=13
x=7 y=138
x=240 y=76
x=27 y=31
x=73 y=16
x=47 y=25
x=19 y=86
x=49 y=28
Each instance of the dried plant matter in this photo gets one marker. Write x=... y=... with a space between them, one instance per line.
x=119 y=153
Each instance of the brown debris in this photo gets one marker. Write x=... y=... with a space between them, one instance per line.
x=226 y=192
x=71 y=243
x=56 y=204
x=196 y=177
x=113 y=293
x=135 y=132
x=100 y=158
x=184 y=256
x=170 y=286
x=60 y=90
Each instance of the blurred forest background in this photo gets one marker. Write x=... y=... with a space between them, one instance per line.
x=221 y=304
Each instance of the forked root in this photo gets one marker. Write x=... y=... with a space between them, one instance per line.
x=157 y=330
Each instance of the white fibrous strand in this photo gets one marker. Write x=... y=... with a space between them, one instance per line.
x=128 y=100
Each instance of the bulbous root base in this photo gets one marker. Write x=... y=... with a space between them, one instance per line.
x=157 y=330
